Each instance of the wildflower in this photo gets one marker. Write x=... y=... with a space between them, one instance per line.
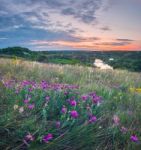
x=132 y=89
x=96 y=99
x=84 y=97
x=47 y=98
x=31 y=106
x=29 y=137
x=88 y=107
x=21 y=110
x=74 y=114
x=66 y=93
x=47 y=137
x=30 y=89
x=116 y=120
x=134 y=138
x=15 y=107
x=64 y=110
x=123 y=130
x=92 y=119
x=73 y=103
x=17 y=91
x=26 y=101
x=138 y=90
x=58 y=123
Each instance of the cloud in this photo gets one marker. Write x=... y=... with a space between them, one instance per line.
x=125 y=40
x=86 y=39
x=41 y=13
x=83 y=43
x=83 y=10
x=51 y=16
x=113 y=43
x=61 y=43
x=3 y=38
x=116 y=43
x=105 y=28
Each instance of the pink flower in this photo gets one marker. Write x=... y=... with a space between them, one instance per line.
x=64 y=110
x=58 y=123
x=92 y=119
x=123 y=130
x=84 y=97
x=47 y=137
x=29 y=137
x=73 y=103
x=31 y=106
x=47 y=98
x=30 y=89
x=134 y=138
x=96 y=100
x=116 y=120
x=66 y=93
x=26 y=101
x=74 y=114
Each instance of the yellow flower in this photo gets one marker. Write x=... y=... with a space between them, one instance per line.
x=138 y=90
x=132 y=89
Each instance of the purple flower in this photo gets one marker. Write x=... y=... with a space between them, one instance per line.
x=96 y=99
x=66 y=93
x=73 y=103
x=47 y=98
x=92 y=119
x=30 y=89
x=47 y=137
x=84 y=97
x=64 y=110
x=26 y=101
x=134 y=138
x=74 y=114
x=123 y=130
x=58 y=124
x=31 y=106
x=29 y=137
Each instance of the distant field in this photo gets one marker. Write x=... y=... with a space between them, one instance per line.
x=68 y=107
x=120 y=60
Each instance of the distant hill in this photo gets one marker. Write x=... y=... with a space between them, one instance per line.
x=123 y=60
x=17 y=51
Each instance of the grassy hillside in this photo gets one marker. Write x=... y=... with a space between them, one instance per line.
x=122 y=60
x=64 y=107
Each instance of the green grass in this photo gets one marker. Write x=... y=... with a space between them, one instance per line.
x=65 y=61
x=74 y=134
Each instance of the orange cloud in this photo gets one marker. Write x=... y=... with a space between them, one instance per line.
x=89 y=44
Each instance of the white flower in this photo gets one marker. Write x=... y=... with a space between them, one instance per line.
x=15 y=107
x=21 y=110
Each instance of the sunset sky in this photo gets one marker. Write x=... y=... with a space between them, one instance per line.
x=71 y=24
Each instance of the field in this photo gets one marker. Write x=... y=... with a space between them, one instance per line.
x=68 y=107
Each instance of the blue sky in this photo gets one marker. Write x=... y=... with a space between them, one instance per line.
x=71 y=24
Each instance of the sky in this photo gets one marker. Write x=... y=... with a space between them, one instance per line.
x=93 y=25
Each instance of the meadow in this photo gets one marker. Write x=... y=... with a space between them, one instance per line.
x=68 y=107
